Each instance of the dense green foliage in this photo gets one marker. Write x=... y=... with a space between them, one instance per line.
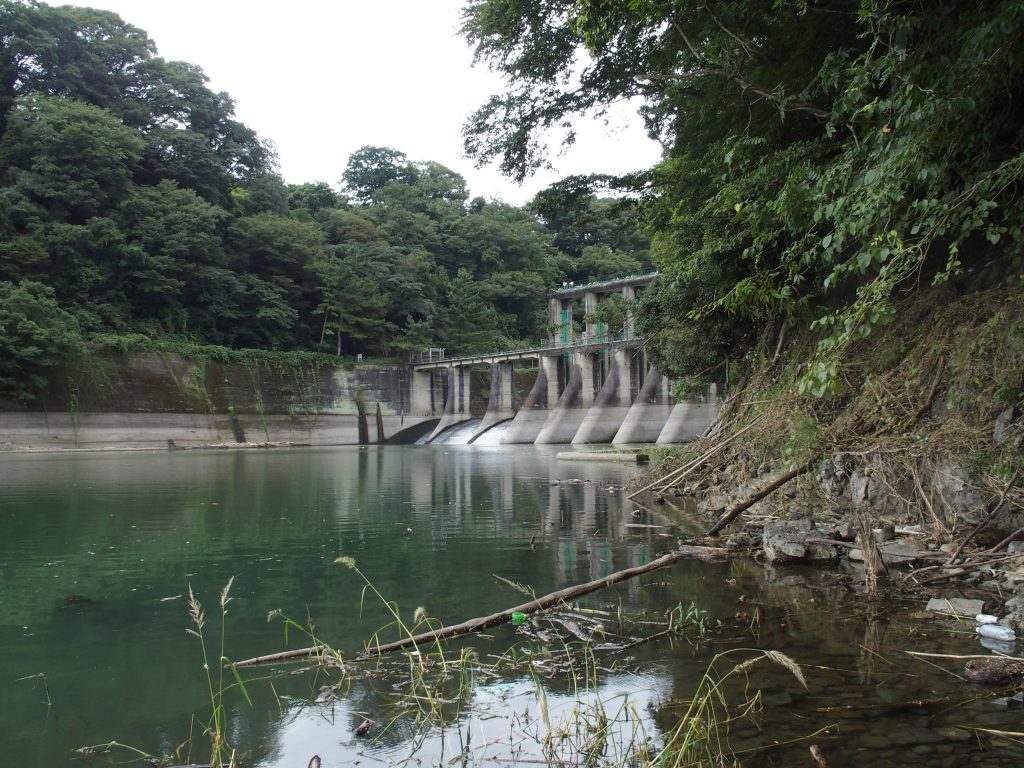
x=822 y=156
x=133 y=203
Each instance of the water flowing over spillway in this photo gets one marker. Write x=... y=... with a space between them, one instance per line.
x=493 y=435
x=460 y=434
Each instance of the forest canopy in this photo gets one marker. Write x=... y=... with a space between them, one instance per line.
x=134 y=207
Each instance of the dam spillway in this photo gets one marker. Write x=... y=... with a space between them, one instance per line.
x=593 y=383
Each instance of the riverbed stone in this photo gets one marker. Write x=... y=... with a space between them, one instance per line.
x=785 y=541
x=955 y=606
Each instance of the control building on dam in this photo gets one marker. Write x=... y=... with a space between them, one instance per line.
x=593 y=384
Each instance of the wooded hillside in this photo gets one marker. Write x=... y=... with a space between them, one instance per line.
x=135 y=209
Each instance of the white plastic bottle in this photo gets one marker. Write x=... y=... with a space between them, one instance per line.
x=996 y=632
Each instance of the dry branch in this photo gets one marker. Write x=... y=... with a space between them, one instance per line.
x=736 y=511
x=676 y=475
x=683 y=552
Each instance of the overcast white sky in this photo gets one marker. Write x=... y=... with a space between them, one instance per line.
x=321 y=78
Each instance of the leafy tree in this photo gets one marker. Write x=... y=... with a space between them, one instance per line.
x=370 y=169
x=261 y=193
x=267 y=316
x=349 y=227
x=35 y=335
x=471 y=323
x=22 y=257
x=600 y=262
x=354 y=306
x=316 y=199
x=78 y=53
x=282 y=253
x=275 y=246
x=73 y=159
x=178 y=232
x=578 y=220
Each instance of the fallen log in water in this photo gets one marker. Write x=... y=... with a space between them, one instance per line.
x=683 y=552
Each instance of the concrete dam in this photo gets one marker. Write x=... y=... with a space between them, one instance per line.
x=592 y=385
x=585 y=385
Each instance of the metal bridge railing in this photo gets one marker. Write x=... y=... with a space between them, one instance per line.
x=584 y=340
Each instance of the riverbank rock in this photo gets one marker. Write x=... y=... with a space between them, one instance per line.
x=834 y=476
x=952 y=494
x=1008 y=427
x=995 y=670
x=787 y=541
x=894 y=553
x=955 y=606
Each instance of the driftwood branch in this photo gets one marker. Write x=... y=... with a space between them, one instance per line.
x=684 y=552
x=985 y=520
x=890 y=706
x=736 y=511
x=676 y=476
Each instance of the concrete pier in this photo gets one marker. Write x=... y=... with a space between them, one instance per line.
x=501 y=403
x=612 y=404
x=530 y=418
x=690 y=419
x=456 y=402
x=565 y=418
x=648 y=415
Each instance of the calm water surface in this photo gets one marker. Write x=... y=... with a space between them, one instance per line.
x=98 y=551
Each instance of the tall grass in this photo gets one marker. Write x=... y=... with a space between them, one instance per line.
x=222 y=754
x=700 y=737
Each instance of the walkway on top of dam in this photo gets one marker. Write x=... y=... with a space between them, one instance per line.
x=573 y=316
x=582 y=344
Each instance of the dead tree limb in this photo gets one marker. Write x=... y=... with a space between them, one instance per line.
x=684 y=552
x=736 y=511
x=985 y=520
x=677 y=475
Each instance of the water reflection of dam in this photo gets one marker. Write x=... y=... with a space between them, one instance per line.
x=571 y=512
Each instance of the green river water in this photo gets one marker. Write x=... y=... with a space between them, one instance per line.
x=98 y=551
